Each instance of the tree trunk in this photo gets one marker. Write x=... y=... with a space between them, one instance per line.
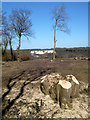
x=2 y=51
x=63 y=93
x=5 y=49
x=18 y=49
x=54 y=41
x=75 y=85
x=11 y=51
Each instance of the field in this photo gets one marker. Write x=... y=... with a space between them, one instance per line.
x=21 y=94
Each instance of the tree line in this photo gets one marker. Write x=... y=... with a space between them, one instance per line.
x=19 y=24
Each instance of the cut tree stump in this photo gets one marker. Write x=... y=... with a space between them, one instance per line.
x=75 y=85
x=63 y=93
x=60 y=89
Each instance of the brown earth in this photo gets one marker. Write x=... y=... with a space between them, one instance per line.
x=21 y=94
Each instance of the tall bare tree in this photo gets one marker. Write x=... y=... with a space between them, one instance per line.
x=60 y=22
x=21 y=23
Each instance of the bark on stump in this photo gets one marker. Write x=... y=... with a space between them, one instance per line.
x=52 y=92
x=63 y=93
x=75 y=85
x=44 y=87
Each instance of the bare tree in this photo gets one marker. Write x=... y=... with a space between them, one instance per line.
x=4 y=33
x=60 y=18
x=21 y=23
x=7 y=33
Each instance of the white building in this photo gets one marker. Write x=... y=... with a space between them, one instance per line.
x=40 y=52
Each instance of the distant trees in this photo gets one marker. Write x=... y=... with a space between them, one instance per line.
x=60 y=18
x=21 y=24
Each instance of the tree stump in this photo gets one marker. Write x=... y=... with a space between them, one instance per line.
x=49 y=84
x=63 y=93
x=75 y=85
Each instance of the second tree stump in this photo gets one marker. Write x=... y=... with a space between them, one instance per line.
x=63 y=93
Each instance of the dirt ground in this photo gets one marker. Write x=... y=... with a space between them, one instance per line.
x=21 y=94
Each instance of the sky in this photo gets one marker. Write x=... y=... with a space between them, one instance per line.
x=43 y=25
x=45 y=0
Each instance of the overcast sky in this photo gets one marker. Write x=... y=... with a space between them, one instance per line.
x=42 y=24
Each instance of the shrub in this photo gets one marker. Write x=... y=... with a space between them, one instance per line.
x=25 y=56
x=8 y=57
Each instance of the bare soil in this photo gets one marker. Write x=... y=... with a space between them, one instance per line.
x=21 y=94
